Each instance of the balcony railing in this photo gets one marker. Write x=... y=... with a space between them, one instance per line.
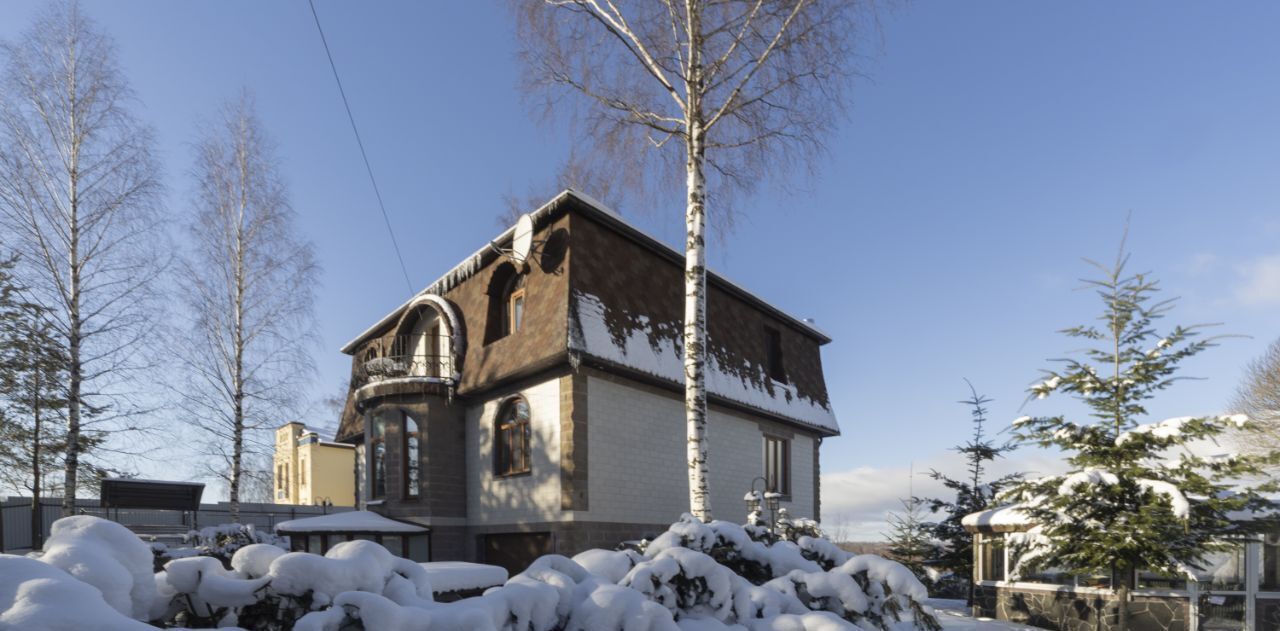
x=424 y=356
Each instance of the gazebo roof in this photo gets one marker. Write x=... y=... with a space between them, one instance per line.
x=1010 y=518
x=155 y=494
x=360 y=521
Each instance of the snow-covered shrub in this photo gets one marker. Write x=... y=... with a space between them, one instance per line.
x=35 y=595
x=267 y=588
x=695 y=575
x=222 y=541
x=107 y=556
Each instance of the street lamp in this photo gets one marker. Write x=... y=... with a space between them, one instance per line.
x=770 y=499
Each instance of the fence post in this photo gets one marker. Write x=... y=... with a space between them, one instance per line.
x=2 y=507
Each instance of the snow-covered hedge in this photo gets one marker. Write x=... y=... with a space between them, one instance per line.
x=696 y=575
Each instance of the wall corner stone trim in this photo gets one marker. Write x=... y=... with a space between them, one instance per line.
x=573 y=443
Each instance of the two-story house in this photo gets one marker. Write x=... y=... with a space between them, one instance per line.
x=308 y=470
x=525 y=406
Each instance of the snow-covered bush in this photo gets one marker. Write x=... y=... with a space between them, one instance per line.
x=222 y=541
x=694 y=576
x=107 y=556
x=35 y=595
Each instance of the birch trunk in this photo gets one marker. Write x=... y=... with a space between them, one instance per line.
x=238 y=332
x=37 y=517
x=695 y=279
x=74 y=322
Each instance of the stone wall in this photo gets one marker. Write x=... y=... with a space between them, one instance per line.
x=1065 y=609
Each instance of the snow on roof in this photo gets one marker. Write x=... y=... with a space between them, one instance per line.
x=1009 y=518
x=350 y=521
x=747 y=384
x=453 y=576
x=472 y=264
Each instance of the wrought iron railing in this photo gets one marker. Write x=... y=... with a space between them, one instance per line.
x=402 y=356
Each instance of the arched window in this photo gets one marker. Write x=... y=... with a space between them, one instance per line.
x=412 y=462
x=511 y=438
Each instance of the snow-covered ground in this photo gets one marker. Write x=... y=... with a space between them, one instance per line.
x=953 y=614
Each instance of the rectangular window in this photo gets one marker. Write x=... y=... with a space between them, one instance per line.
x=412 y=460
x=302 y=472
x=1269 y=572
x=777 y=464
x=517 y=310
x=773 y=354
x=992 y=566
x=378 y=453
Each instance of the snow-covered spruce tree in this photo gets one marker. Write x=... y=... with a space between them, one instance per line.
x=973 y=493
x=1135 y=496
x=33 y=372
x=910 y=537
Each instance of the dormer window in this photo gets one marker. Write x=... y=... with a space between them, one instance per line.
x=507 y=302
x=515 y=304
x=773 y=355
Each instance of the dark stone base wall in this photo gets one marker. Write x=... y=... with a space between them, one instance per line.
x=1065 y=610
x=458 y=543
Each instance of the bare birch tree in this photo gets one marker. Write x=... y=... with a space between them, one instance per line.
x=249 y=282
x=1258 y=396
x=78 y=195
x=719 y=94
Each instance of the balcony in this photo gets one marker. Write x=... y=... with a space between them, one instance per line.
x=425 y=357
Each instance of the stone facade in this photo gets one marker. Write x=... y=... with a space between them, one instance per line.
x=1068 y=609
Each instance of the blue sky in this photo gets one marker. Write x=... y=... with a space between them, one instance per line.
x=990 y=147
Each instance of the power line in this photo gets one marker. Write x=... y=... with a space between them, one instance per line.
x=377 y=193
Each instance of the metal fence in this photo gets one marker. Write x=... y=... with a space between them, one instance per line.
x=15 y=517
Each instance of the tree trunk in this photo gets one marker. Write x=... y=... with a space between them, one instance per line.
x=238 y=337
x=1123 y=577
x=695 y=285
x=37 y=521
x=74 y=369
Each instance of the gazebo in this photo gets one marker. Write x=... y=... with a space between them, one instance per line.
x=318 y=534
x=1237 y=590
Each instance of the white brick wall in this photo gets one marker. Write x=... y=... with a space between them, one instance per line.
x=534 y=497
x=636 y=459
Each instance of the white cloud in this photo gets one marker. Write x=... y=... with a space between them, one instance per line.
x=1261 y=281
x=856 y=501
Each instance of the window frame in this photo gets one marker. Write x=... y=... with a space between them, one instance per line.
x=515 y=310
x=378 y=459
x=511 y=294
x=409 y=490
x=510 y=431
x=783 y=467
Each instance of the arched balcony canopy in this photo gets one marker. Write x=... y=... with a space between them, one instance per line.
x=427 y=344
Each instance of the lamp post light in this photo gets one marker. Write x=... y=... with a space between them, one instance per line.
x=770 y=500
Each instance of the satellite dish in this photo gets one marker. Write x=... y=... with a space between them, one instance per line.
x=522 y=241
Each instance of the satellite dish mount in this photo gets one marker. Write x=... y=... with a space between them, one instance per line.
x=521 y=243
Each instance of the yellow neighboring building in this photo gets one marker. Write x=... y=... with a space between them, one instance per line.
x=310 y=471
